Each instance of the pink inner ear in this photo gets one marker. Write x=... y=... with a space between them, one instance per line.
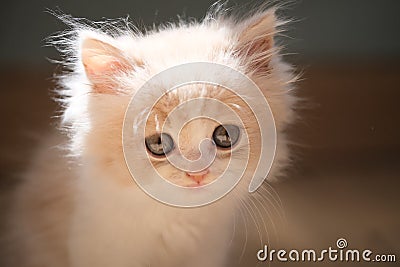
x=100 y=65
x=256 y=40
x=102 y=62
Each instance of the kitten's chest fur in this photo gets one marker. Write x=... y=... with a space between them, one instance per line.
x=128 y=226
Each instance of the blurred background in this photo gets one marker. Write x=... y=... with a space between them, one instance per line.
x=345 y=180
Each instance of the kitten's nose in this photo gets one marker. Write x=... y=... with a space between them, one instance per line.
x=198 y=176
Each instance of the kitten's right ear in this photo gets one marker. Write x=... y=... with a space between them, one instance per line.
x=103 y=62
x=256 y=39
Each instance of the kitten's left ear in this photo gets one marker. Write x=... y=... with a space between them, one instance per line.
x=256 y=39
x=103 y=62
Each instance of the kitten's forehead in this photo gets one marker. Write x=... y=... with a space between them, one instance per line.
x=184 y=96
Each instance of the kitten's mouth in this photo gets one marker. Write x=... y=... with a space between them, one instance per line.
x=198 y=177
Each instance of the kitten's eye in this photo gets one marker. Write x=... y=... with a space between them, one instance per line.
x=159 y=144
x=225 y=136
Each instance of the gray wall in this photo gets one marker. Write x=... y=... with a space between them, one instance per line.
x=326 y=29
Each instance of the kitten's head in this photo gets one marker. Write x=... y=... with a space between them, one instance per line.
x=109 y=66
x=227 y=138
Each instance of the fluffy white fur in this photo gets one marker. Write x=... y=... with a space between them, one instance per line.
x=86 y=210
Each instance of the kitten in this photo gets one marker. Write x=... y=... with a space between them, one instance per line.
x=86 y=210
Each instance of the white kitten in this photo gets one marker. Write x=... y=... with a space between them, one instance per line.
x=88 y=211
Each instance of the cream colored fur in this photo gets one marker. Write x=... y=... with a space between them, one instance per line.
x=81 y=207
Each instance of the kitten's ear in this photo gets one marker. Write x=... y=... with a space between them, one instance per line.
x=256 y=39
x=103 y=62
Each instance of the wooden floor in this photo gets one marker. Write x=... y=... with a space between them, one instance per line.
x=345 y=180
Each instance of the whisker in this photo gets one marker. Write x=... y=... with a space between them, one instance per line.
x=240 y=206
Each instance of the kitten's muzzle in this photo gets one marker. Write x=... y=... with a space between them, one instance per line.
x=198 y=176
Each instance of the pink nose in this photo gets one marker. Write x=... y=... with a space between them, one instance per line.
x=198 y=176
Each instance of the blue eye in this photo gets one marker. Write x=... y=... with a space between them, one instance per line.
x=159 y=144
x=225 y=136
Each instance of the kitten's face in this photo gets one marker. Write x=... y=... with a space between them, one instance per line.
x=227 y=136
x=110 y=69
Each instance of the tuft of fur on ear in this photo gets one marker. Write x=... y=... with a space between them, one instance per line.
x=256 y=40
x=102 y=62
